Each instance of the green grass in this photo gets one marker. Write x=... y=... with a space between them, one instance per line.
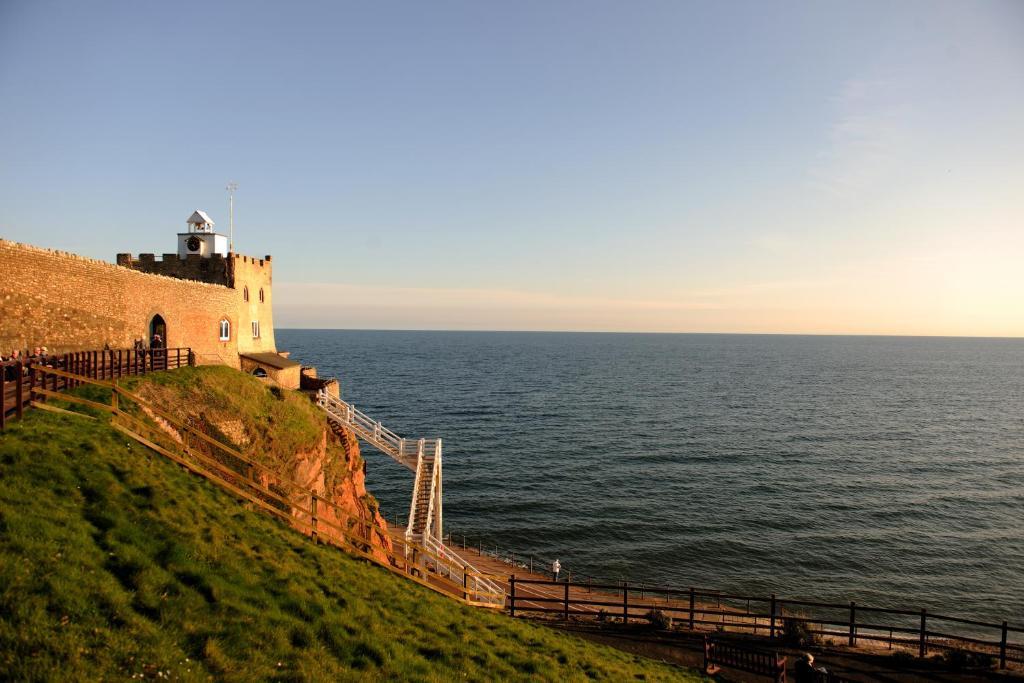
x=115 y=563
x=276 y=423
x=269 y=425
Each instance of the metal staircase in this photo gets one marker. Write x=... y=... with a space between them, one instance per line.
x=422 y=456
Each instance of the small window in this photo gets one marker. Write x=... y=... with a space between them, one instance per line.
x=225 y=330
x=255 y=329
x=261 y=295
x=245 y=293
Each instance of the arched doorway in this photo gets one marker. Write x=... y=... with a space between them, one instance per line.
x=157 y=326
x=158 y=342
x=260 y=372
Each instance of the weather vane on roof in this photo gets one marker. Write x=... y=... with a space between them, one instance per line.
x=231 y=187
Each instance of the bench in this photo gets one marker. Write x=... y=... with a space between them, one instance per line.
x=718 y=654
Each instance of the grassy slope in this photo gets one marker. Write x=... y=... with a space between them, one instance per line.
x=277 y=424
x=114 y=562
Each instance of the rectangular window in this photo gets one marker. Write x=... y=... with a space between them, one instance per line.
x=255 y=329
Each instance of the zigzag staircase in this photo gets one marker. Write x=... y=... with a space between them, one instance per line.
x=422 y=456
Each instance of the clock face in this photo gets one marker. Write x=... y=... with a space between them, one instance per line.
x=193 y=243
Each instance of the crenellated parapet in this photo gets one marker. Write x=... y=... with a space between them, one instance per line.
x=213 y=269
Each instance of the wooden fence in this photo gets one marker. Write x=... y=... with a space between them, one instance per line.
x=849 y=623
x=21 y=382
x=298 y=505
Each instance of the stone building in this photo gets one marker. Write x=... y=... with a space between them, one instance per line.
x=201 y=296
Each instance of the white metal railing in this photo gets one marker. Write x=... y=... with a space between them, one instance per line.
x=417 y=486
x=423 y=456
x=405 y=451
x=459 y=571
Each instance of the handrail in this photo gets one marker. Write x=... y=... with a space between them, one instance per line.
x=370 y=430
x=417 y=485
x=635 y=602
x=419 y=455
x=82 y=365
x=478 y=579
x=427 y=468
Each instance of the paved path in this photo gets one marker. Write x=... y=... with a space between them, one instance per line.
x=500 y=569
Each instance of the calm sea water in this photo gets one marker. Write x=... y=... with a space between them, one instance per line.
x=885 y=470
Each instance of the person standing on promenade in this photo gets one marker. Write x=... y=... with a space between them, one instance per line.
x=556 y=567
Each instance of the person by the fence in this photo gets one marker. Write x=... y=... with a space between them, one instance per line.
x=556 y=567
x=806 y=672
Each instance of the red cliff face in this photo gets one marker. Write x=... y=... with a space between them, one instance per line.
x=344 y=484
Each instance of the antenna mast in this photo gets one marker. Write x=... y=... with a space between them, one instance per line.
x=231 y=187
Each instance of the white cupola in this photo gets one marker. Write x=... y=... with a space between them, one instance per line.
x=201 y=239
x=199 y=221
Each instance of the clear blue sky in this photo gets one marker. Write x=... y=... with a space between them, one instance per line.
x=668 y=166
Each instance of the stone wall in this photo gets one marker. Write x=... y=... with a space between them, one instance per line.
x=286 y=378
x=250 y=277
x=193 y=267
x=67 y=303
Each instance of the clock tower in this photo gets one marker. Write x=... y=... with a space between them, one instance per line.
x=201 y=240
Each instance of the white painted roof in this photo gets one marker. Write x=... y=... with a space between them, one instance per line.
x=199 y=218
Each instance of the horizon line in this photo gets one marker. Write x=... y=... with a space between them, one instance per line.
x=721 y=334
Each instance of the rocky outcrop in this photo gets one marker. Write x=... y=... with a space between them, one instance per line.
x=345 y=488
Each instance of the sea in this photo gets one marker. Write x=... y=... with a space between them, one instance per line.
x=885 y=470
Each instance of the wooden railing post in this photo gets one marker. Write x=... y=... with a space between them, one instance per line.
x=3 y=396
x=512 y=595
x=625 y=602
x=312 y=517
x=19 y=390
x=853 y=623
x=565 y=612
x=771 y=625
x=1002 y=648
x=691 y=607
x=923 y=648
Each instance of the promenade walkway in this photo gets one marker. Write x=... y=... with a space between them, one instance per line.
x=547 y=598
x=848 y=626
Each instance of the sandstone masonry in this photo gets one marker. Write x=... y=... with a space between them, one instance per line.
x=70 y=303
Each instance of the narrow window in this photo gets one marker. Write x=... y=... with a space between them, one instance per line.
x=255 y=329
x=261 y=295
x=245 y=293
x=225 y=330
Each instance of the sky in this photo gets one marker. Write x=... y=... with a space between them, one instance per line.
x=797 y=167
